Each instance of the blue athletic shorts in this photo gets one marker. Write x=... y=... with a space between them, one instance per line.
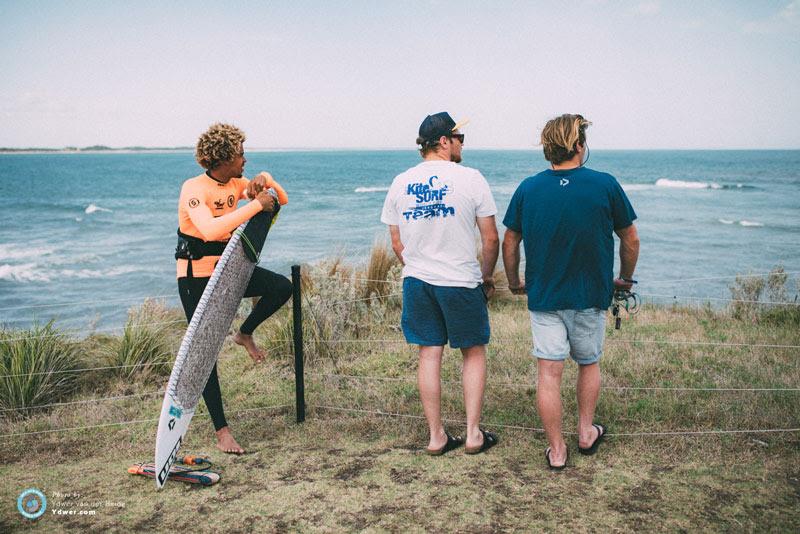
x=432 y=315
x=576 y=333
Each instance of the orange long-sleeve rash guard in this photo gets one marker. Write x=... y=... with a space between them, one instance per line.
x=208 y=209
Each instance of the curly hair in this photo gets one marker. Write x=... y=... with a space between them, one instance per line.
x=560 y=135
x=220 y=144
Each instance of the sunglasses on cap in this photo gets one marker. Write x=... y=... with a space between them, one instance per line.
x=458 y=136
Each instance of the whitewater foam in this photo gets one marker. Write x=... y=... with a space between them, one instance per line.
x=31 y=272
x=750 y=223
x=726 y=221
x=11 y=252
x=370 y=189
x=681 y=184
x=636 y=187
x=92 y=208
x=23 y=272
x=92 y=273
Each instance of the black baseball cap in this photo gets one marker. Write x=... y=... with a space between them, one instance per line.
x=437 y=125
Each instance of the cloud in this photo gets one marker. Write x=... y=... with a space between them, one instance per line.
x=37 y=103
x=791 y=13
x=692 y=24
x=648 y=9
x=785 y=20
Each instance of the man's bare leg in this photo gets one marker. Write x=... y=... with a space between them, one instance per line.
x=548 y=400
x=430 y=393
x=250 y=345
x=473 y=376
x=226 y=442
x=588 y=392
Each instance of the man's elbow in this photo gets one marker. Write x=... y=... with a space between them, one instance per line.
x=631 y=241
x=212 y=235
x=511 y=240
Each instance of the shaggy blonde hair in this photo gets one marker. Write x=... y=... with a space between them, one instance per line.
x=221 y=143
x=561 y=135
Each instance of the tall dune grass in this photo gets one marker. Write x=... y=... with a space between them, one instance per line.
x=146 y=345
x=341 y=302
x=37 y=366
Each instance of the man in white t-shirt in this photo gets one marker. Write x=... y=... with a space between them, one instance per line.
x=435 y=212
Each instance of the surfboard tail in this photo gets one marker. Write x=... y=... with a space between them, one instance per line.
x=172 y=427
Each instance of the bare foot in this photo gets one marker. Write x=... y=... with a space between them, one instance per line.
x=247 y=342
x=226 y=443
x=474 y=439
x=438 y=440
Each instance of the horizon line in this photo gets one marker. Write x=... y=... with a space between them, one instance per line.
x=93 y=149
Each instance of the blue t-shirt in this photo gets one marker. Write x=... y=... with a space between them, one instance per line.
x=567 y=220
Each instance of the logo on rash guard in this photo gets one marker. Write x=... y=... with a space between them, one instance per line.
x=219 y=204
x=230 y=201
x=193 y=203
x=429 y=198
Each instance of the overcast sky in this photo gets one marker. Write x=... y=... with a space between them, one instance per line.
x=649 y=74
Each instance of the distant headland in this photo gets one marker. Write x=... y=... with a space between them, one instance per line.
x=95 y=148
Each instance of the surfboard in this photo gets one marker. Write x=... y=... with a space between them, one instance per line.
x=179 y=473
x=204 y=337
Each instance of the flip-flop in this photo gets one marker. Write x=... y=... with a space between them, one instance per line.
x=555 y=467
x=452 y=443
x=489 y=440
x=591 y=449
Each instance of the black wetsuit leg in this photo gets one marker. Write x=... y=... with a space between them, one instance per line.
x=191 y=289
x=274 y=290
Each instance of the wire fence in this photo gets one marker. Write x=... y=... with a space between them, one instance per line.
x=399 y=282
x=490 y=424
x=494 y=383
x=496 y=341
x=131 y=422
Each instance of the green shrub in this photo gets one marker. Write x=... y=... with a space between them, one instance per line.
x=343 y=303
x=37 y=366
x=146 y=344
x=780 y=307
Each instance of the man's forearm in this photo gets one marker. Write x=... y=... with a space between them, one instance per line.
x=511 y=261
x=398 y=251
x=490 y=250
x=397 y=244
x=628 y=256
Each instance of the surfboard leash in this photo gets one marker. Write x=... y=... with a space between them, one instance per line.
x=249 y=244
x=627 y=300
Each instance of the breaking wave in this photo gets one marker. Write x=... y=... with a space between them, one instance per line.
x=92 y=208
x=30 y=272
x=371 y=189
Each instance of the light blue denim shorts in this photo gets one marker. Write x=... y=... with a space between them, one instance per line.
x=576 y=333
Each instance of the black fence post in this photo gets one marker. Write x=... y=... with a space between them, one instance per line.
x=297 y=319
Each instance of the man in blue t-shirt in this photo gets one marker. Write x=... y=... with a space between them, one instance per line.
x=566 y=217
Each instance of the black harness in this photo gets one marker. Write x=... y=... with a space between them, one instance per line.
x=193 y=248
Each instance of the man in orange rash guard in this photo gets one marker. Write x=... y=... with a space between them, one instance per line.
x=207 y=215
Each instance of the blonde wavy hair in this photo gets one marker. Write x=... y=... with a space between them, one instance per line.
x=561 y=135
x=220 y=144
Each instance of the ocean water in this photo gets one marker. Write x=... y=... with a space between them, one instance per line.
x=85 y=236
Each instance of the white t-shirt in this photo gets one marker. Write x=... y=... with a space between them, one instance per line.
x=435 y=205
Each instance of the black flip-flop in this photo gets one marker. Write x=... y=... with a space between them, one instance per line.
x=591 y=449
x=489 y=440
x=452 y=443
x=555 y=467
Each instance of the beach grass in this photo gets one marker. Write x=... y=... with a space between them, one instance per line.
x=357 y=462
